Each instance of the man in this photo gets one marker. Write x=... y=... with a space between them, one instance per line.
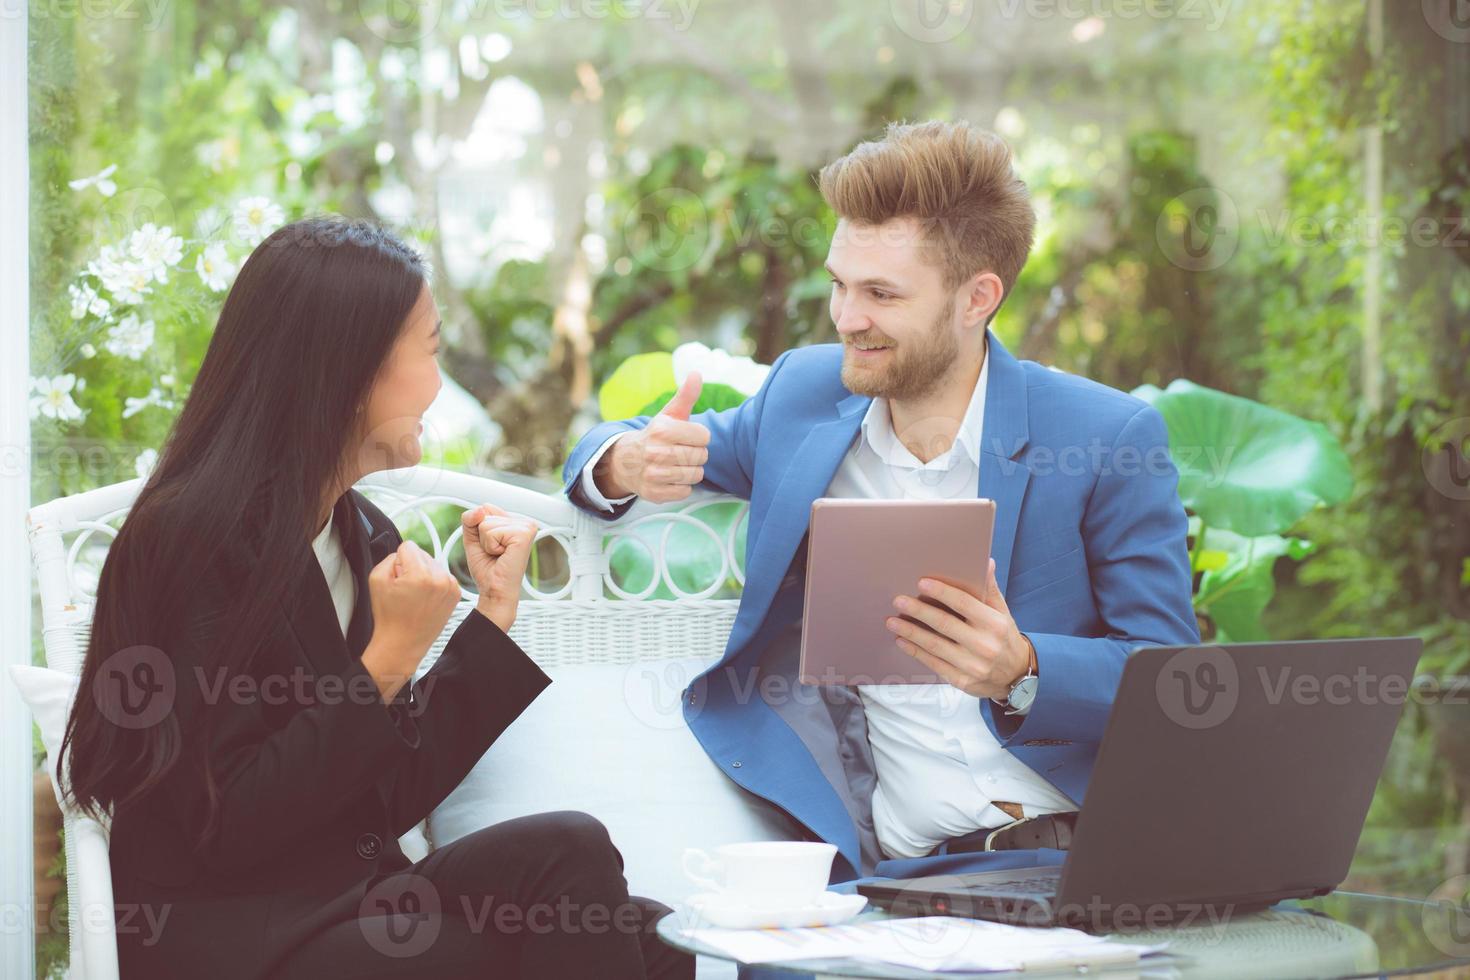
x=920 y=401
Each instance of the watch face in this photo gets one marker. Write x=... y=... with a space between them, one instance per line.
x=1023 y=693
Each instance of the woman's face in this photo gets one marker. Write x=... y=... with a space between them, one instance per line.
x=406 y=384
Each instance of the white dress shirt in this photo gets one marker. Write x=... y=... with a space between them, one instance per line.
x=938 y=766
x=337 y=572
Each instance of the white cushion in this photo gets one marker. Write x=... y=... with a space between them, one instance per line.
x=611 y=740
x=49 y=693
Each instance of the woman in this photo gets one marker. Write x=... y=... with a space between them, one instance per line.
x=251 y=722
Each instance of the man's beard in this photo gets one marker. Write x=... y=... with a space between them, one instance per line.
x=913 y=370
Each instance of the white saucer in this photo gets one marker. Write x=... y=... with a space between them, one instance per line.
x=716 y=909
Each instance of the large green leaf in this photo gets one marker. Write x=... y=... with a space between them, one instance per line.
x=712 y=396
x=1236 y=593
x=1244 y=466
x=636 y=381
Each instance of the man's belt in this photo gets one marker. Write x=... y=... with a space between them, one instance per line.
x=1048 y=830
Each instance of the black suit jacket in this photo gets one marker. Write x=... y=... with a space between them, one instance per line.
x=318 y=776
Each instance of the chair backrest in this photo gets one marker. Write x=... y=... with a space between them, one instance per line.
x=662 y=582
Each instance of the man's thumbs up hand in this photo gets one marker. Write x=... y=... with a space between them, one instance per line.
x=664 y=461
x=683 y=401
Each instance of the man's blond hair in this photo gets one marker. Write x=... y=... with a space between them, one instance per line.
x=955 y=179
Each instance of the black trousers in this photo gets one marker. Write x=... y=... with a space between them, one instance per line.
x=536 y=897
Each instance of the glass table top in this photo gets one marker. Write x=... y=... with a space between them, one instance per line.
x=1345 y=934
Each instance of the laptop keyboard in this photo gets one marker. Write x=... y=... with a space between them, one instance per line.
x=1036 y=885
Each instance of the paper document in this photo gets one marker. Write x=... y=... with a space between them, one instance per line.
x=934 y=943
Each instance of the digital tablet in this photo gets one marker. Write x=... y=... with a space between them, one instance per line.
x=862 y=553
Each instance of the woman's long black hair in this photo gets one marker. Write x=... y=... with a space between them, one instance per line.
x=308 y=323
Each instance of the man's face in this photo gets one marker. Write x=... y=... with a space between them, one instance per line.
x=887 y=293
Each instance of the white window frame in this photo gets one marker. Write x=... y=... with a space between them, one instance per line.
x=17 y=898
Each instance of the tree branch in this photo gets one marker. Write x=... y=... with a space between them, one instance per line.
x=632 y=307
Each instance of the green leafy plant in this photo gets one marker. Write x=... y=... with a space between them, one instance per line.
x=1247 y=473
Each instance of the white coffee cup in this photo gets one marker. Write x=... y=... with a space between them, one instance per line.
x=764 y=874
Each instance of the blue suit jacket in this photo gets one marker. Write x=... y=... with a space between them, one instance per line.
x=1089 y=548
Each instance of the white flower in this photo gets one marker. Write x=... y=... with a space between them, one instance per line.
x=145 y=462
x=132 y=406
x=84 y=300
x=125 y=279
x=53 y=398
x=87 y=350
x=104 y=186
x=130 y=337
x=214 y=266
x=156 y=249
x=718 y=367
x=257 y=217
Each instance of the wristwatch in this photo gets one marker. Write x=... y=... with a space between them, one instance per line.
x=1023 y=692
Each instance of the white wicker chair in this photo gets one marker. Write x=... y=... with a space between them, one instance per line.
x=588 y=618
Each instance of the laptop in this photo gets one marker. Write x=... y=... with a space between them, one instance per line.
x=1229 y=778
